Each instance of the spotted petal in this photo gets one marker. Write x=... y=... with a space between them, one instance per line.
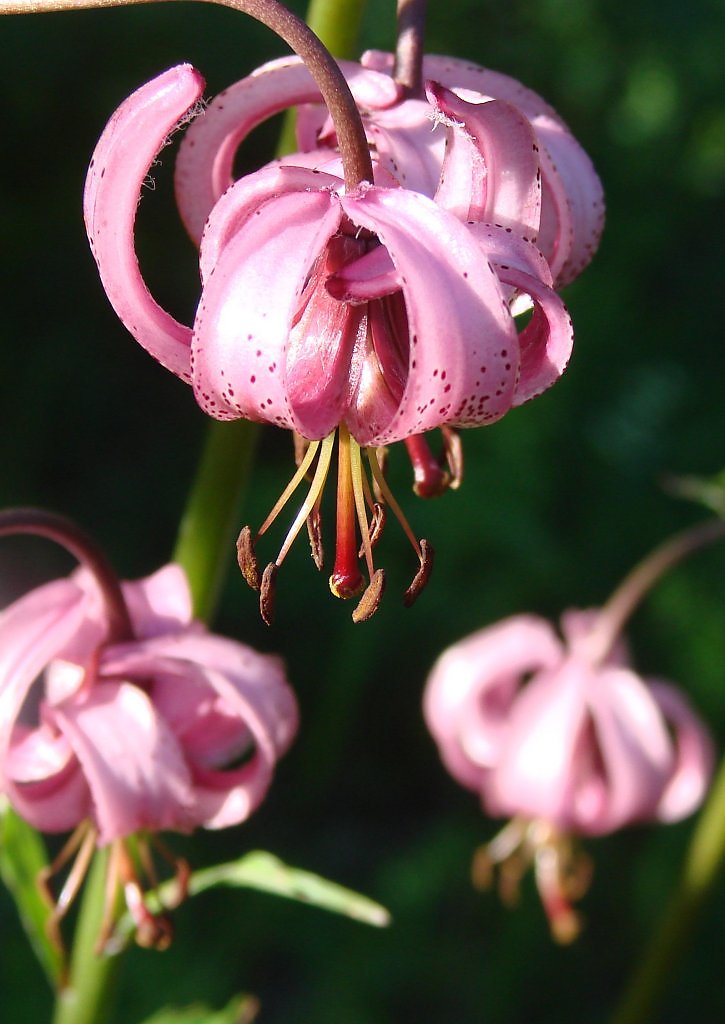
x=206 y=155
x=125 y=152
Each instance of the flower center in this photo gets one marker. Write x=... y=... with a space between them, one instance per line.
x=360 y=517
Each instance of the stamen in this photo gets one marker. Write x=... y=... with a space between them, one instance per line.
x=346 y=580
x=387 y=496
x=453 y=453
x=377 y=525
x=268 y=594
x=318 y=482
x=247 y=559
x=422 y=576
x=314 y=532
x=358 y=491
x=370 y=601
x=564 y=922
x=82 y=840
x=429 y=478
x=290 y=488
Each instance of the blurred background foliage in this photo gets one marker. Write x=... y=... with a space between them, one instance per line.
x=559 y=500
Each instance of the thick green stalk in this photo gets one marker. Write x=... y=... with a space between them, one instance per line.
x=336 y=23
x=87 y=997
x=205 y=542
x=702 y=869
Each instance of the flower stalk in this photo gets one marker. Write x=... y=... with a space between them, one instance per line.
x=335 y=92
x=409 y=48
x=701 y=871
x=631 y=591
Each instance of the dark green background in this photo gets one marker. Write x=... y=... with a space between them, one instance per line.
x=559 y=500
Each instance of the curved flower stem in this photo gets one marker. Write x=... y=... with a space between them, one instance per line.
x=210 y=519
x=642 y=578
x=40 y=523
x=702 y=869
x=409 y=48
x=335 y=91
x=87 y=997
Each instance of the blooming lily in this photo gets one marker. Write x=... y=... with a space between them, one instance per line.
x=168 y=727
x=373 y=309
x=567 y=741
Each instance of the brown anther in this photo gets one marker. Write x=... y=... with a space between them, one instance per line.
x=314 y=531
x=453 y=454
x=377 y=525
x=422 y=576
x=267 y=593
x=154 y=931
x=247 y=559
x=370 y=601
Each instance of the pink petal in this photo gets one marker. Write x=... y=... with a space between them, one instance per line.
x=546 y=341
x=45 y=782
x=463 y=357
x=406 y=145
x=372 y=276
x=491 y=168
x=471 y=689
x=635 y=748
x=33 y=630
x=572 y=187
x=122 y=159
x=241 y=202
x=536 y=772
x=160 y=603
x=694 y=754
x=206 y=155
x=248 y=308
x=131 y=760
x=240 y=684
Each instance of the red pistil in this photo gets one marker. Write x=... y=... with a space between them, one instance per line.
x=346 y=579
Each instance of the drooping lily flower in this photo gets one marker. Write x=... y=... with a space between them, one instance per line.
x=565 y=742
x=373 y=310
x=170 y=728
x=477 y=131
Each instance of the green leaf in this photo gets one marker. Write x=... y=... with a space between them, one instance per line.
x=22 y=858
x=239 y=1010
x=267 y=873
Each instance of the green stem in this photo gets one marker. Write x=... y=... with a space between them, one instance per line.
x=703 y=864
x=205 y=542
x=87 y=997
x=336 y=23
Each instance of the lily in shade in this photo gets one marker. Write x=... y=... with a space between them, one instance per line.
x=566 y=739
x=145 y=720
x=362 y=313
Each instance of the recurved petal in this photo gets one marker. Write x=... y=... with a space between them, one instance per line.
x=636 y=753
x=44 y=780
x=545 y=343
x=491 y=166
x=242 y=200
x=541 y=762
x=694 y=753
x=223 y=701
x=206 y=155
x=248 y=308
x=463 y=351
x=125 y=152
x=160 y=603
x=33 y=630
x=573 y=192
x=471 y=689
x=131 y=760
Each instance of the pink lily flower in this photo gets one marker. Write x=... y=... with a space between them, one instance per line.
x=564 y=741
x=479 y=133
x=135 y=735
x=377 y=311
